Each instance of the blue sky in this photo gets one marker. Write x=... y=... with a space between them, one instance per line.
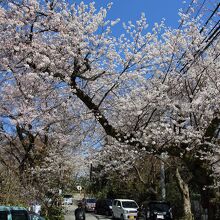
x=154 y=10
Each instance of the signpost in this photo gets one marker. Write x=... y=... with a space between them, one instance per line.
x=79 y=188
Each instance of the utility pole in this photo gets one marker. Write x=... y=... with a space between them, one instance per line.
x=162 y=178
x=90 y=172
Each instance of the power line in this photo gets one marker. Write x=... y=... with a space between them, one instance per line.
x=209 y=39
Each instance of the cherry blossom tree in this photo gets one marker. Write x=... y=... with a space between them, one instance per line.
x=153 y=91
x=38 y=133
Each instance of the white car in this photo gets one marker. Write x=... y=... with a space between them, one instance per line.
x=67 y=199
x=124 y=209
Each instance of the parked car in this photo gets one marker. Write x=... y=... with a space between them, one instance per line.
x=18 y=213
x=67 y=200
x=124 y=209
x=155 y=210
x=89 y=204
x=13 y=212
x=103 y=207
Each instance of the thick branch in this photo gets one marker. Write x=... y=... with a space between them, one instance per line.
x=139 y=175
x=103 y=121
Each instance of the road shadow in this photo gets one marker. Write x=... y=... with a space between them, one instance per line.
x=102 y=216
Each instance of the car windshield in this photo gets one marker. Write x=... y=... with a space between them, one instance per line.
x=91 y=200
x=160 y=207
x=129 y=204
x=19 y=215
x=67 y=196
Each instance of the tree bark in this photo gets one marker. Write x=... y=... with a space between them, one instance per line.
x=203 y=179
x=184 y=190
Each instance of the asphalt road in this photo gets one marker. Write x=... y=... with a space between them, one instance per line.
x=89 y=216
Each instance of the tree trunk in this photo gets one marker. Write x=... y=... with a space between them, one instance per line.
x=203 y=178
x=184 y=190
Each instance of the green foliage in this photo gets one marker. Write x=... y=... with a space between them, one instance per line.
x=53 y=212
x=113 y=186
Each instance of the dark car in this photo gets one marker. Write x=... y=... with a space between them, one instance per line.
x=89 y=204
x=103 y=207
x=155 y=210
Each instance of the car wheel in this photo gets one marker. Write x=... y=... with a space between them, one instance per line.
x=122 y=218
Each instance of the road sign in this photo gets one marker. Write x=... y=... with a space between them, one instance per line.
x=79 y=188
